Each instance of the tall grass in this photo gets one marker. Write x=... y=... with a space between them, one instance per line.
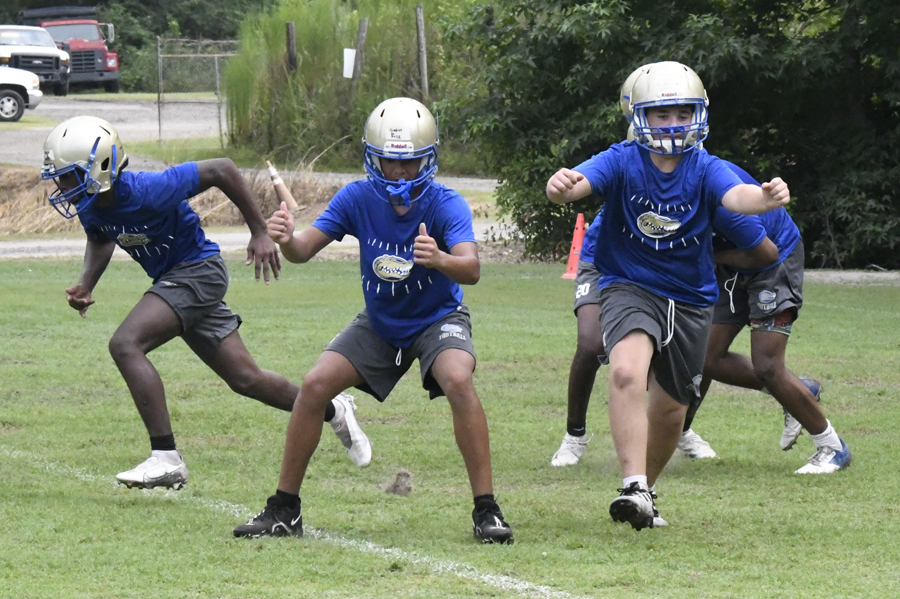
x=298 y=115
x=24 y=208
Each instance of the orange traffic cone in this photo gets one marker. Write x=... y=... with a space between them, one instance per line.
x=575 y=252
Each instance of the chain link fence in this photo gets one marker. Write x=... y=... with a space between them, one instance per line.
x=190 y=87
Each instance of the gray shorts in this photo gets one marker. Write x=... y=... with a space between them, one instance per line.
x=586 y=278
x=381 y=365
x=195 y=290
x=678 y=363
x=769 y=300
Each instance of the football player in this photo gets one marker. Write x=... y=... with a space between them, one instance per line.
x=147 y=215
x=654 y=253
x=417 y=247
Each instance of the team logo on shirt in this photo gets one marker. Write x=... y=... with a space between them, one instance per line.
x=391 y=268
x=767 y=300
x=127 y=240
x=656 y=226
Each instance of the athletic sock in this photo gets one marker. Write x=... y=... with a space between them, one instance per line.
x=640 y=479
x=827 y=438
x=163 y=443
x=331 y=411
x=484 y=502
x=288 y=500
x=576 y=431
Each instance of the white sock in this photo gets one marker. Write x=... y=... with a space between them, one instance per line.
x=170 y=457
x=827 y=438
x=640 y=479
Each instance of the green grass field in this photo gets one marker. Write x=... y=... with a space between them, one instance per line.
x=740 y=526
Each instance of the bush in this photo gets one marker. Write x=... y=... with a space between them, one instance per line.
x=299 y=115
x=808 y=92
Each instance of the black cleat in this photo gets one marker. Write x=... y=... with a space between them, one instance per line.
x=635 y=506
x=489 y=527
x=274 y=521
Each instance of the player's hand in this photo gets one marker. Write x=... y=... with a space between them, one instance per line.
x=280 y=225
x=425 y=249
x=264 y=253
x=562 y=181
x=79 y=298
x=776 y=193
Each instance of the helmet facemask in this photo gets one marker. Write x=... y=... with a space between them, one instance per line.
x=400 y=129
x=674 y=85
x=89 y=149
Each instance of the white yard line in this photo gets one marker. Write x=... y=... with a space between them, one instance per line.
x=435 y=566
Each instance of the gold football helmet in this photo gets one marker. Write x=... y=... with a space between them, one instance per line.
x=400 y=129
x=669 y=84
x=625 y=92
x=89 y=147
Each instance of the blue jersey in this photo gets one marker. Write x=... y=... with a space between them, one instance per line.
x=590 y=240
x=151 y=219
x=402 y=298
x=741 y=230
x=656 y=230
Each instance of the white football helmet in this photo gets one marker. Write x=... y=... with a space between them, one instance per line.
x=625 y=92
x=89 y=147
x=669 y=84
x=401 y=129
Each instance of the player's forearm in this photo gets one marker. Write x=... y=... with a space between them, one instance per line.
x=294 y=251
x=763 y=255
x=747 y=199
x=96 y=258
x=463 y=270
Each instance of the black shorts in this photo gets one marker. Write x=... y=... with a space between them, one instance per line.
x=680 y=333
x=769 y=300
x=381 y=365
x=194 y=290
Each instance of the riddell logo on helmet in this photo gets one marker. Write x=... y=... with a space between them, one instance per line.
x=668 y=94
x=398 y=146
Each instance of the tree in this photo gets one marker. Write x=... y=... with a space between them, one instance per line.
x=804 y=91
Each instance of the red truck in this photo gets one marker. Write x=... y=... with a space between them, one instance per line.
x=77 y=30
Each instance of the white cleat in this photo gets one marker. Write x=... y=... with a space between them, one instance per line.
x=571 y=450
x=827 y=460
x=694 y=447
x=351 y=435
x=658 y=521
x=161 y=469
x=792 y=428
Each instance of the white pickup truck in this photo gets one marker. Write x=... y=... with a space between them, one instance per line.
x=32 y=49
x=18 y=90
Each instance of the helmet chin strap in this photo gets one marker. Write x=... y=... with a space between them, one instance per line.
x=401 y=189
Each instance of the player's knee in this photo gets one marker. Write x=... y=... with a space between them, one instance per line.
x=459 y=384
x=588 y=349
x=121 y=346
x=316 y=387
x=767 y=370
x=246 y=382
x=622 y=377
